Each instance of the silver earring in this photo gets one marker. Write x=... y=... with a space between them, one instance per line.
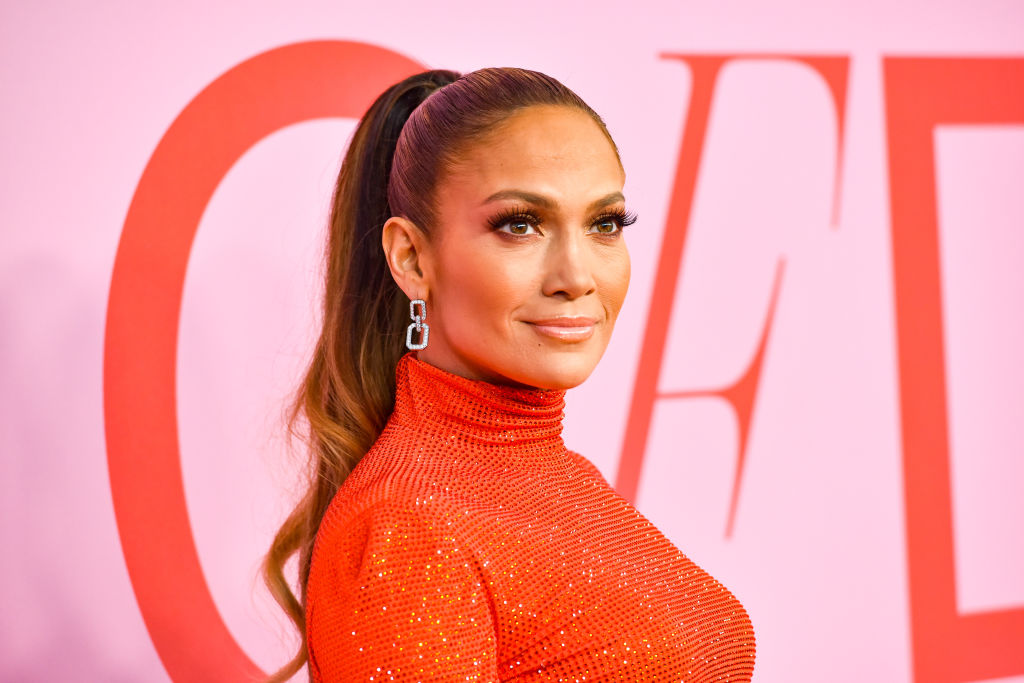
x=418 y=325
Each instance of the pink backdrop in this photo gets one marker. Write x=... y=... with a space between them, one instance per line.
x=814 y=388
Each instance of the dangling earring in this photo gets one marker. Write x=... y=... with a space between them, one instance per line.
x=418 y=325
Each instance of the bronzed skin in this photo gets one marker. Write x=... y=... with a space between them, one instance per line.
x=510 y=303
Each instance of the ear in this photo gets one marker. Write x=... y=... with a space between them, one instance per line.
x=406 y=251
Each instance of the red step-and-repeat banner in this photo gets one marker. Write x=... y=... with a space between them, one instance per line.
x=814 y=388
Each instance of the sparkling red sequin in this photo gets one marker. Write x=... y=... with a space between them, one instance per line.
x=470 y=545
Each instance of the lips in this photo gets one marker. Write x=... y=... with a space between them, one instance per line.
x=565 y=328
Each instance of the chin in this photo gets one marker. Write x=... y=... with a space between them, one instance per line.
x=557 y=369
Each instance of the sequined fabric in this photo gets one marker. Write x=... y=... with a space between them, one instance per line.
x=470 y=545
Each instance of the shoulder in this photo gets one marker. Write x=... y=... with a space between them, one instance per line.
x=383 y=524
x=348 y=518
x=391 y=483
x=588 y=468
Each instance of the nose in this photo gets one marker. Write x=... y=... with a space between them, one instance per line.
x=569 y=267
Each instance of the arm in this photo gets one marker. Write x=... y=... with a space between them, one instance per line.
x=397 y=597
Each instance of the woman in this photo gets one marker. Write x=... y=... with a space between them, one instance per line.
x=448 y=534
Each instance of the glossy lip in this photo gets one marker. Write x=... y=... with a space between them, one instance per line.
x=565 y=328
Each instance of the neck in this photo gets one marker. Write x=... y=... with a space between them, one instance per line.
x=428 y=397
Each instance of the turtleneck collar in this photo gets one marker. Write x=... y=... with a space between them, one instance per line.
x=428 y=397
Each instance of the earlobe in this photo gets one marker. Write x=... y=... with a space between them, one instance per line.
x=403 y=245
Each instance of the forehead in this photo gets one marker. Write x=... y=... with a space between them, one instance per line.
x=556 y=151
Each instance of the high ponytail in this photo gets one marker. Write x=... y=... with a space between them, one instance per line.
x=349 y=388
x=392 y=167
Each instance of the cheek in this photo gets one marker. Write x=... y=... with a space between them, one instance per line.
x=613 y=281
x=479 y=289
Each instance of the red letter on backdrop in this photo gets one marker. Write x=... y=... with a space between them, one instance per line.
x=272 y=90
x=920 y=93
x=740 y=395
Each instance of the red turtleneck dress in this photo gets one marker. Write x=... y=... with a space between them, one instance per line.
x=470 y=545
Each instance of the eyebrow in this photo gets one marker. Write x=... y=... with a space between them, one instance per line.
x=548 y=203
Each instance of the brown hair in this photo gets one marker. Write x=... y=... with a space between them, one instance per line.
x=406 y=140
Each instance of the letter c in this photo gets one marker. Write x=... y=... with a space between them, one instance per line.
x=277 y=88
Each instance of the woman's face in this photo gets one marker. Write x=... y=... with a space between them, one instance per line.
x=526 y=269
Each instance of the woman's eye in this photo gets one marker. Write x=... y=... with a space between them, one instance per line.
x=606 y=226
x=518 y=226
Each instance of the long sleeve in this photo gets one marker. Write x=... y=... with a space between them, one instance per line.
x=401 y=600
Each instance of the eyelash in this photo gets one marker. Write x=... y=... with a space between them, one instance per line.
x=506 y=216
x=621 y=216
